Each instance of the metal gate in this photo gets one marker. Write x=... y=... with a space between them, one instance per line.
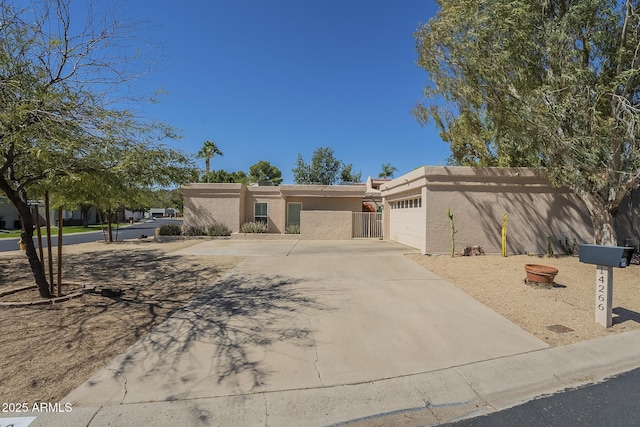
x=367 y=225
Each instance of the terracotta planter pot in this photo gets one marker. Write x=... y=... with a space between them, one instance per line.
x=540 y=273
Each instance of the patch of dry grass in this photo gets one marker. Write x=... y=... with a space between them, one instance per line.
x=47 y=351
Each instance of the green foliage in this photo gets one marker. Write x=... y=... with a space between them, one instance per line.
x=171 y=230
x=568 y=248
x=207 y=152
x=553 y=84
x=253 y=227
x=265 y=171
x=214 y=230
x=222 y=176
x=347 y=174
x=453 y=232
x=387 y=171
x=195 y=231
x=292 y=229
x=60 y=125
x=166 y=198
x=549 y=247
x=324 y=169
x=218 y=230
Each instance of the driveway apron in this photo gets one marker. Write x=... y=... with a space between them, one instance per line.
x=306 y=314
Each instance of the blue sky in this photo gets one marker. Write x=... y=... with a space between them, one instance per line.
x=267 y=80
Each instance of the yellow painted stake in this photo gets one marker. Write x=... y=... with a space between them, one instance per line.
x=504 y=235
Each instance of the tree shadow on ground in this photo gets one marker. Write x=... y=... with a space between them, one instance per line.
x=46 y=351
x=235 y=322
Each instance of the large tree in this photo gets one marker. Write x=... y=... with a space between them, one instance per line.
x=128 y=179
x=59 y=117
x=324 y=168
x=348 y=175
x=264 y=170
x=553 y=83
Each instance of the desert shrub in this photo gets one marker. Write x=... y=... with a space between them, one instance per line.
x=218 y=229
x=292 y=229
x=253 y=227
x=195 y=230
x=549 y=247
x=169 y=230
x=568 y=248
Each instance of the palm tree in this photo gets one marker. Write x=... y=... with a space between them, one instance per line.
x=387 y=171
x=208 y=150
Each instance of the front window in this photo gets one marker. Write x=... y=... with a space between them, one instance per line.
x=260 y=213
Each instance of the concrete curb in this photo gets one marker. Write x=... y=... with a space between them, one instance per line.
x=421 y=399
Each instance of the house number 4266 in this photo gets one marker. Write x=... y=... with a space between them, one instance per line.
x=601 y=287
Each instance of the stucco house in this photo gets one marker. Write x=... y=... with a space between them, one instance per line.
x=416 y=205
x=412 y=210
x=321 y=211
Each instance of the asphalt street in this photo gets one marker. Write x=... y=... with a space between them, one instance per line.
x=615 y=402
x=125 y=232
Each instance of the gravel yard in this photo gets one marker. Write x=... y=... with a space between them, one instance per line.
x=47 y=351
x=498 y=283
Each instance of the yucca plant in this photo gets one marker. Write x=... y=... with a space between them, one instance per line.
x=195 y=231
x=218 y=229
x=253 y=227
x=292 y=229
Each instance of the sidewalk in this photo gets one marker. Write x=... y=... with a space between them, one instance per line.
x=319 y=333
x=422 y=399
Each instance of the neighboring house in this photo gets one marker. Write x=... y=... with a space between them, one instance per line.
x=321 y=211
x=10 y=220
x=8 y=214
x=416 y=204
x=134 y=215
x=162 y=212
x=74 y=217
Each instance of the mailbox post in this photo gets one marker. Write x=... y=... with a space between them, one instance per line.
x=605 y=258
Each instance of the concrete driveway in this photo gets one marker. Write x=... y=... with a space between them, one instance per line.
x=304 y=315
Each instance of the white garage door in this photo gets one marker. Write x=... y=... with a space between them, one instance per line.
x=407 y=222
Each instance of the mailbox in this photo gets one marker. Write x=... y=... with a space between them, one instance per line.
x=609 y=256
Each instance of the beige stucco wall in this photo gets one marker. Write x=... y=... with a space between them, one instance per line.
x=325 y=225
x=205 y=204
x=353 y=204
x=233 y=204
x=275 y=206
x=478 y=199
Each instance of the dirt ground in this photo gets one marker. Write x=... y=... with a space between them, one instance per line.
x=47 y=351
x=498 y=283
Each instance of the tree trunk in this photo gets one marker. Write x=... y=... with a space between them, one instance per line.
x=85 y=217
x=602 y=219
x=27 y=239
x=603 y=231
x=110 y=225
